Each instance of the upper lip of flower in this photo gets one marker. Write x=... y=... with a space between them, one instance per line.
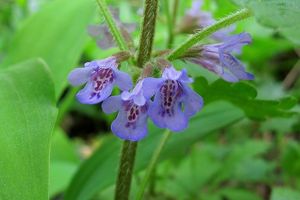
x=136 y=94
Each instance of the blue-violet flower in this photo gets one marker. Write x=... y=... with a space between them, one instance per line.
x=218 y=58
x=131 y=122
x=174 y=102
x=197 y=19
x=100 y=77
x=104 y=38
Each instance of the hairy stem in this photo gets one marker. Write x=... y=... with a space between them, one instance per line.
x=226 y=21
x=116 y=33
x=129 y=148
x=125 y=170
x=148 y=30
x=152 y=165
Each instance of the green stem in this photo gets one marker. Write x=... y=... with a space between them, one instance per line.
x=226 y=21
x=169 y=22
x=175 y=10
x=129 y=148
x=171 y=18
x=148 y=30
x=152 y=165
x=121 y=42
x=125 y=170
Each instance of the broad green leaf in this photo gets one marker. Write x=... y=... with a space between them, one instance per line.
x=63 y=162
x=27 y=116
x=62 y=149
x=284 y=194
x=100 y=170
x=61 y=173
x=57 y=33
x=282 y=15
x=243 y=95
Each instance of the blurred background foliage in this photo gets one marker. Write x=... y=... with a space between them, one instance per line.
x=244 y=145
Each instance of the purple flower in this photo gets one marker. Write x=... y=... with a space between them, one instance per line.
x=196 y=19
x=131 y=122
x=174 y=102
x=100 y=76
x=103 y=36
x=101 y=33
x=218 y=58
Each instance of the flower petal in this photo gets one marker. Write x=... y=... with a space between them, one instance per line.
x=112 y=104
x=87 y=95
x=223 y=34
x=235 y=66
x=184 y=77
x=177 y=122
x=154 y=110
x=106 y=43
x=171 y=73
x=229 y=77
x=193 y=102
x=102 y=34
x=95 y=30
x=120 y=129
x=196 y=6
x=236 y=42
x=126 y=96
x=139 y=99
x=150 y=86
x=110 y=62
x=123 y=80
x=79 y=76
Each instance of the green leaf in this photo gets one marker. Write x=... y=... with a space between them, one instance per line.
x=27 y=116
x=279 y=125
x=57 y=33
x=63 y=162
x=181 y=173
x=290 y=160
x=62 y=149
x=238 y=194
x=242 y=162
x=100 y=170
x=243 y=95
x=280 y=14
x=61 y=173
x=284 y=194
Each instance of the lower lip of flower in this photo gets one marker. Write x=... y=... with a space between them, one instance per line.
x=133 y=113
x=170 y=91
x=101 y=78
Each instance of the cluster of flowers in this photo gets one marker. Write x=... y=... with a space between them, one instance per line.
x=171 y=94
x=168 y=101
